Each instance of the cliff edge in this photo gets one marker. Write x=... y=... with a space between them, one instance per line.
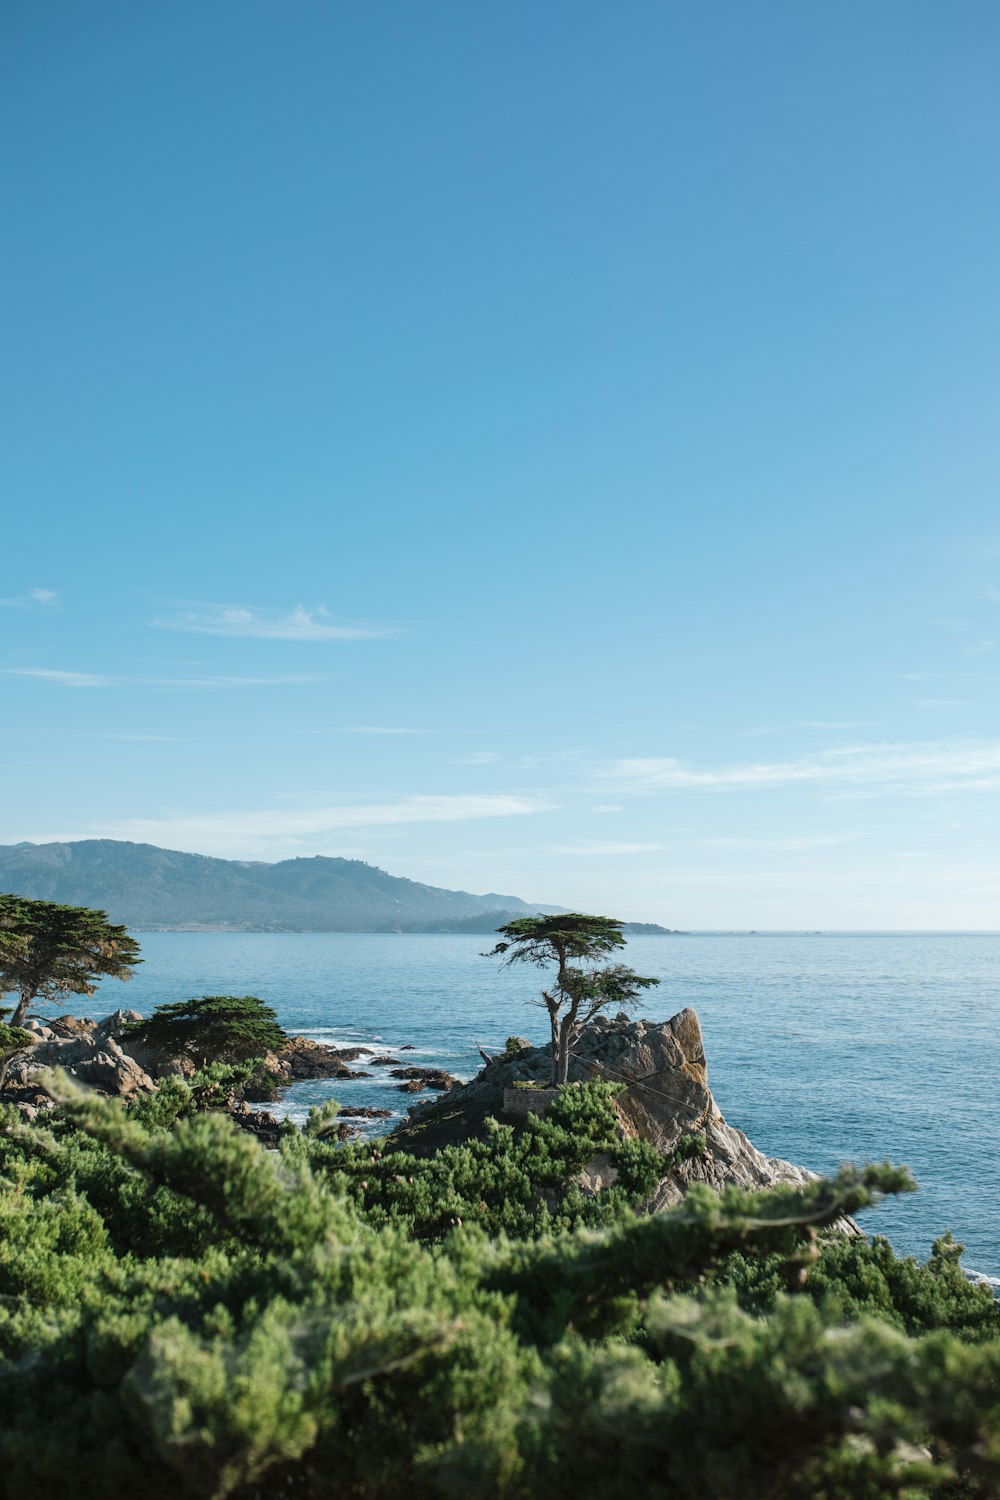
x=666 y=1096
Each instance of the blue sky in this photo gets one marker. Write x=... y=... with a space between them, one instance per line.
x=538 y=448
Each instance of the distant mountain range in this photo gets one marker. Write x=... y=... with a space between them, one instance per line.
x=155 y=889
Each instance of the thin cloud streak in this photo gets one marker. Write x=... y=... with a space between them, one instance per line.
x=378 y=729
x=180 y=684
x=249 y=623
x=825 y=724
x=165 y=684
x=64 y=679
x=908 y=769
x=605 y=847
x=781 y=846
x=259 y=832
x=33 y=599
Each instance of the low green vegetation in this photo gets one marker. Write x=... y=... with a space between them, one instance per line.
x=183 y=1314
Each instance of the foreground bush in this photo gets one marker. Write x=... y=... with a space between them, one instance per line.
x=185 y=1315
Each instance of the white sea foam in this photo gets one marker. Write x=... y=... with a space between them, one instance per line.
x=981 y=1279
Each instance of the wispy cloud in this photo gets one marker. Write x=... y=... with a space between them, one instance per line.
x=270 y=832
x=378 y=729
x=604 y=847
x=298 y=624
x=550 y=757
x=607 y=807
x=180 y=684
x=382 y=729
x=781 y=846
x=822 y=724
x=165 y=684
x=941 y=702
x=64 y=679
x=33 y=599
x=914 y=769
x=480 y=758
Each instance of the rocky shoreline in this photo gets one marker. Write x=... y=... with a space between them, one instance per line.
x=101 y=1055
x=661 y=1066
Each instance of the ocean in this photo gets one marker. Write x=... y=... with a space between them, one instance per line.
x=822 y=1048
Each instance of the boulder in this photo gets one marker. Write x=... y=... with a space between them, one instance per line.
x=115 y=1025
x=306 y=1059
x=72 y=1026
x=434 y=1078
x=258 y=1122
x=114 y=1072
x=101 y=1065
x=43 y=1033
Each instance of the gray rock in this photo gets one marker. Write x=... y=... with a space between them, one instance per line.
x=105 y=1066
x=72 y=1026
x=43 y=1033
x=113 y=1072
x=434 y=1078
x=305 y=1059
x=114 y=1026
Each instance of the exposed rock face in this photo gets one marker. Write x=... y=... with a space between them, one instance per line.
x=434 y=1078
x=258 y=1122
x=103 y=1055
x=72 y=1026
x=300 y=1058
x=95 y=1060
x=663 y=1067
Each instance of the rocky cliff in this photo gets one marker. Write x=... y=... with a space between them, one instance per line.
x=666 y=1096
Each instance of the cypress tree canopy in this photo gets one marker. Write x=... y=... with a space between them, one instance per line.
x=215 y=1028
x=576 y=995
x=48 y=952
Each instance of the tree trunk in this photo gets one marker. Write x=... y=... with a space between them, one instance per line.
x=565 y=1038
x=17 y=1019
x=552 y=1006
x=560 y=1055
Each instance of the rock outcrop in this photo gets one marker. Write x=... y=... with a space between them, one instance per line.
x=433 y=1078
x=666 y=1096
x=300 y=1058
x=103 y=1055
x=94 y=1058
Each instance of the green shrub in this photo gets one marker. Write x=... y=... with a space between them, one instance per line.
x=185 y=1316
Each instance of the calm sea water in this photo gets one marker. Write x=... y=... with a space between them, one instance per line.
x=823 y=1049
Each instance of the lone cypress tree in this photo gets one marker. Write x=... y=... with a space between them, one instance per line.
x=578 y=994
x=48 y=952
